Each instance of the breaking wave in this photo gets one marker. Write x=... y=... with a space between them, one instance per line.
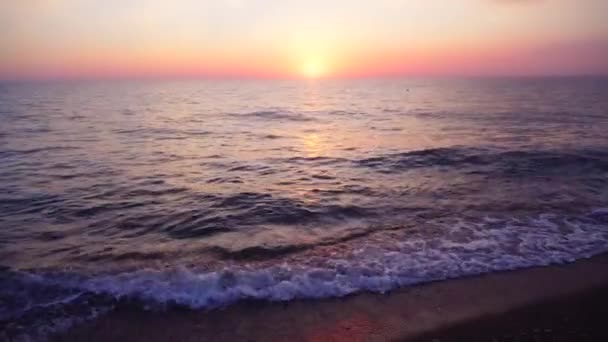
x=379 y=264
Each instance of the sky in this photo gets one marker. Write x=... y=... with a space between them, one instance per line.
x=301 y=39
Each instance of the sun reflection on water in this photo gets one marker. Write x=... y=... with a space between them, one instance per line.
x=313 y=145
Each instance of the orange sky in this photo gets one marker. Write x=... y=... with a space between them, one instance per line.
x=287 y=38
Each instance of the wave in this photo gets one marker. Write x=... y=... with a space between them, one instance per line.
x=41 y=150
x=36 y=305
x=464 y=248
x=483 y=159
x=267 y=251
x=155 y=133
x=251 y=209
x=512 y=162
x=278 y=115
x=153 y=204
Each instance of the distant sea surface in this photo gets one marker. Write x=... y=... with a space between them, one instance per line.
x=204 y=193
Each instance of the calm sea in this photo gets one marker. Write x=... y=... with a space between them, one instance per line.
x=203 y=193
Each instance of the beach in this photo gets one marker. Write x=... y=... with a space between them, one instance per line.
x=554 y=303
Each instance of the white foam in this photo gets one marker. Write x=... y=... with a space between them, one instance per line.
x=376 y=264
x=41 y=329
x=373 y=267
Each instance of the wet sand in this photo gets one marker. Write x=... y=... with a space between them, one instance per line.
x=555 y=303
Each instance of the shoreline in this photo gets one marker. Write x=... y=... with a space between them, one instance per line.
x=545 y=303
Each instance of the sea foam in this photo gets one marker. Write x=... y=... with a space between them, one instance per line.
x=465 y=249
x=374 y=265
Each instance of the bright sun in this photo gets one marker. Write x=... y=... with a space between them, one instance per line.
x=313 y=69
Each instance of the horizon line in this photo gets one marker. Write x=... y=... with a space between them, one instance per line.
x=85 y=78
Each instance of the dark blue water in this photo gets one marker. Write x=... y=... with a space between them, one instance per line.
x=202 y=193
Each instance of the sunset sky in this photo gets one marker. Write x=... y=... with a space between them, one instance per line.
x=289 y=38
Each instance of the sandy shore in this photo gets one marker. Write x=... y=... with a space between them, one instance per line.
x=556 y=303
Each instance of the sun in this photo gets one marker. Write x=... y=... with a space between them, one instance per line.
x=313 y=68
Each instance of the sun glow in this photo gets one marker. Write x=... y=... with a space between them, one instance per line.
x=307 y=39
x=313 y=68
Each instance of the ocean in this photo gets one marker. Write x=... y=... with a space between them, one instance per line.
x=202 y=193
